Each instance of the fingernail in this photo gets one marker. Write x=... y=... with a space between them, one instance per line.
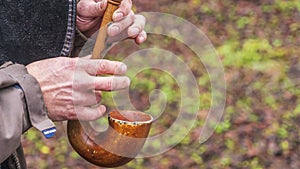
x=123 y=68
x=141 y=39
x=118 y=16
x=133 y=31
x=114 y=30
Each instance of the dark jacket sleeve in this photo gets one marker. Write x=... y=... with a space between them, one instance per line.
x=29 y=31
x=32 y=30
x=21 y=106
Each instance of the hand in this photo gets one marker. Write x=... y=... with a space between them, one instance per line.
x=72 y=86
x=90 y=12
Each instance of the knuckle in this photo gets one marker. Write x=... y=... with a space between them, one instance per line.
x=102 y=66
x=127 y=10
x=77 y=82
x=127 y=5
x=109 y=85
x=131 y=16
x=68 y=63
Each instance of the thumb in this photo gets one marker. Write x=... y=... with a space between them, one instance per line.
x=99 y=8
x=91 y=8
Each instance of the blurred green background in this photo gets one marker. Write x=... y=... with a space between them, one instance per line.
x=258 y=42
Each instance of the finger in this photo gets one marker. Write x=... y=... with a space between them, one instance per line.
x=103 y=66
x=99 y=8
x=119 y=37
x=90 y=9
x=123 y=10
x=111 y=83
x=87 y=98
x=90 y=113
x=119 y=26
x=88 y=24
x=137 y=27
x=87 y=57
x=141 y=37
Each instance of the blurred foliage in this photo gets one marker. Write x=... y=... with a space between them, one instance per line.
x=258 y=42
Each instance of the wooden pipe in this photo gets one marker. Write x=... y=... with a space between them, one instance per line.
x=127 y=130
x=112 y=6
x=116 y=146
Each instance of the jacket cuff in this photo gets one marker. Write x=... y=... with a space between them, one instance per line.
x=36 y=108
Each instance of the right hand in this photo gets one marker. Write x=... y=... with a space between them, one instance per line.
x=72 y=86
x=89 y=16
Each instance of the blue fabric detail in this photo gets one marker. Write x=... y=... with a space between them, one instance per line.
x=49 y=133
x=18 y=87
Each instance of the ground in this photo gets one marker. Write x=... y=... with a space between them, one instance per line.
x=258 y=43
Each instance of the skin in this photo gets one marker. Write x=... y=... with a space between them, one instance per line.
x=88 y=20
x=72 y=87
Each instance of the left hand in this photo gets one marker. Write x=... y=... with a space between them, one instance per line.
x=72 y=87
x=89 y=16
